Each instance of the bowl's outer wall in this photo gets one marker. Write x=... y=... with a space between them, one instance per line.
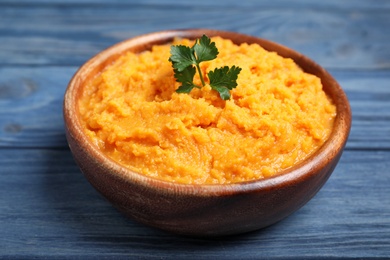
x=197 y=210
x=194 y=214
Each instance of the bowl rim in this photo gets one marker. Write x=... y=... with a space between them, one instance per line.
x=329 y=151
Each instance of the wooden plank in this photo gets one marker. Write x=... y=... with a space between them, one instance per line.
x=336 y=35
x=47 y=209
x=31 y=106
x=369 y=95
x=366 y=4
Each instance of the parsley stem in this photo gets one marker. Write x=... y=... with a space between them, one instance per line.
x=200 y=74
x=183 y=58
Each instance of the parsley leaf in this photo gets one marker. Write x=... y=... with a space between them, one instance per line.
x=183 y=58
x=224 y=79
x=205 y=50
x=186 y=78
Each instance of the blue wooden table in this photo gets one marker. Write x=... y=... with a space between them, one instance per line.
x=48 y=209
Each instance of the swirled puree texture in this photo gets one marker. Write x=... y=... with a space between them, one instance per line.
x=278 y=115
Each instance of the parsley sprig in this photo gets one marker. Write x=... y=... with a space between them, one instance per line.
x=185 y=61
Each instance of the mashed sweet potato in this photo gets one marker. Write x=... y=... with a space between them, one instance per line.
x=278 y=115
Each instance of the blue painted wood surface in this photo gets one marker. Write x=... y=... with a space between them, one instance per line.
x=47 y=208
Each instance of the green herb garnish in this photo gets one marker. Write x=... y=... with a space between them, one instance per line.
x=186 y=60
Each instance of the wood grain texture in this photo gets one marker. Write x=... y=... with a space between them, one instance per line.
x=57 y=211
x=47 y=208
x=31 y=106
x=336 y=35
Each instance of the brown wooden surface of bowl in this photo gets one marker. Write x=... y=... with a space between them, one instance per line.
x=204 y=210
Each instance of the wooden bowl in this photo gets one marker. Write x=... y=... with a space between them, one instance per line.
x=204 y=210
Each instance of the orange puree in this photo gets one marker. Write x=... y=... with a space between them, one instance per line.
x=278 y=115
